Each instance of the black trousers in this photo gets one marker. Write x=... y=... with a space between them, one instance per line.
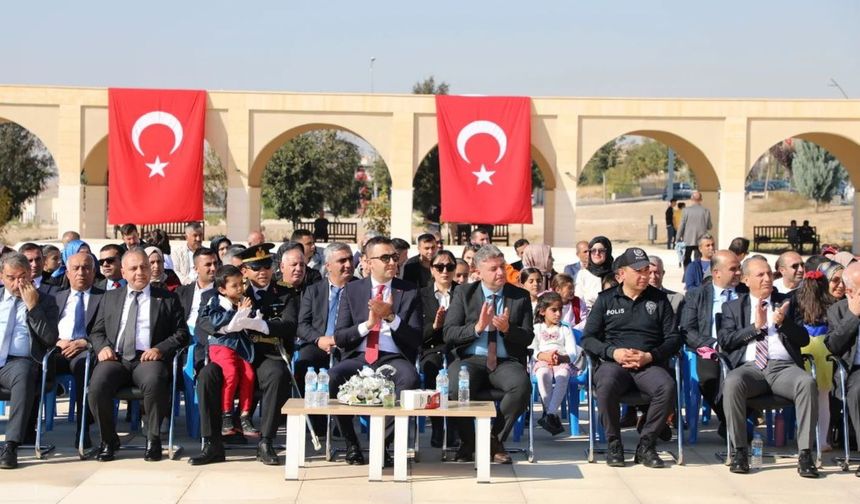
x=76 y=366
x=852 y=402
x=612 y=381
x=21 y=376
x=273 y=378
x=510 y=377
x=689 y=251
x=430 y=363
x=405 y=378
x=709 y=384
x=153 y=379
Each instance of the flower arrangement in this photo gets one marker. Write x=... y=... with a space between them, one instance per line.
x=367 y=387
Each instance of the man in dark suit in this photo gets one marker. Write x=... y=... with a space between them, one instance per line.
x=110 y=264
x=137 y=331
x=275 y=333
x=78 y=306
x=296 y=278
x=191 y=296
x=417 y=269
x=379 y=322
x=701 y=321
x=843 y=322
x=28 y=328
x=489 y=326
x=632 y=331
x=762 y=334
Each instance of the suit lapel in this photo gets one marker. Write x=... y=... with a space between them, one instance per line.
x=62 y=298
x=154 y=310
x=93 y=307
x=396 y=296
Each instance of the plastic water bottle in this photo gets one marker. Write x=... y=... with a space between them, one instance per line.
x=463 y=387
x=756 y=451
x=442 y=387
x=310 y=388
x=322 y=388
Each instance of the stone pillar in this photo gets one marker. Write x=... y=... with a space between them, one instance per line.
x=95 y=216
x=243 y=211
x=70 y=211
x=399 y=156
x=732 y=176
x=401 y=213
x=243 y=200
x=731 y=215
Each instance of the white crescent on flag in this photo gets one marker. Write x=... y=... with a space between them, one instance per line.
x=476 y=127
x=156 y=117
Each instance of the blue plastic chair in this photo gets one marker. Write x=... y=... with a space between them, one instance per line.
x=68 y=382
x=192 y=411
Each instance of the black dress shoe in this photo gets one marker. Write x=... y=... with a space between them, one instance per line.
x=436 y=438
x=107 y=451
x=740 y=463
x=615 y=454
x=498 y=453
x=806 y=465
x=465 y=453
x=9 y=456
x=153 y=450
x=354 y=456
x=266 y=453
x=211 y=453
x=646 y=454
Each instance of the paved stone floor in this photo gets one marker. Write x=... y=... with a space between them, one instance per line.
x=561 y=472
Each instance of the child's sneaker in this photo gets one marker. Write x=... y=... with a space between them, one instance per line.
x=247 y=425
x=227 y=427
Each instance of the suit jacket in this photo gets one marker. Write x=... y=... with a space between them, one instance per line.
x=101 y=283
x=42 y=323
x=463 y=315
x=572 y=269
x=352 y=311
x=168 y=331
x=737 y=331
x=694 y=275
x=434 y=339
x=185 y=293
x=96 y=296
x=695 y=222
x=182 y=264
x=842 y=327
x=417 y=274
x=696 y=317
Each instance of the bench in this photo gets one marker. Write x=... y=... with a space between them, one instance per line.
x=780 y=234
x=296 y=411
x=346 y=232
x=174 y=230
x=500 y=233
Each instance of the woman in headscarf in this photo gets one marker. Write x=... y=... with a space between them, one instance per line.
x=539 y=256
x=58 y=277
x=589 y=282
x=161 y=278
x=220 y=244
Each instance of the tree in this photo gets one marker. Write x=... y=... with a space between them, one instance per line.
x=25 y=168
x=605 y=158
x=312 y=171
x=214 y=181
x=817 y=174
x=428 y=86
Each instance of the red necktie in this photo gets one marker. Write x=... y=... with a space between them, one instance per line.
x=371 y=353
x=116 y=284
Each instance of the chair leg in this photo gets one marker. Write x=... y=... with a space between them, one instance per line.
x=591 y=419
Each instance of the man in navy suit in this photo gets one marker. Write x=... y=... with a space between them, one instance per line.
x=379 y=322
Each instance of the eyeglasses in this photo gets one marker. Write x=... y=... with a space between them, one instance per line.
x=387 y=258
x=600 y=251
x=107 y=260
x=449 y=267
x=257 y=266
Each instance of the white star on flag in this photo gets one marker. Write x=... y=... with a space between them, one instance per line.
x=156 y=167
x=484 y=175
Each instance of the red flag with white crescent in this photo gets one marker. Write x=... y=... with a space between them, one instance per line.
x=485 y=159
x=155 y=155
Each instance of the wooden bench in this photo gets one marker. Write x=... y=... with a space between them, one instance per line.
x=174 y=230
x=296 y=411
x=464 y=231
x=780 y=234
x=346 y=232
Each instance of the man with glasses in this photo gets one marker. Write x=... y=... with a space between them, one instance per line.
x=273 y=375
x=790 y=269
x=631 y=330
x=379 y=322
x=109 y=262
x=417 y=269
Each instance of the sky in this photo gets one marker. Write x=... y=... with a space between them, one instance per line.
x=731 y=49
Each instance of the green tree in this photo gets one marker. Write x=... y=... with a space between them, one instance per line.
x=25 y=168
x=312 y=170
x=429 y=86
x=817 y=174
x=605 y=158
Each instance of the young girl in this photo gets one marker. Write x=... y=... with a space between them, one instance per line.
x=573 y=309
x=530 y=279
x=223 y=318
x=556 y=357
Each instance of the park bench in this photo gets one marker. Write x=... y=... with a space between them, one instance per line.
x=780 y=235
x=346 y=232
x=500 y=233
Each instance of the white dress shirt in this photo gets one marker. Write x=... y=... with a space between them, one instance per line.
x=142 y=338
x=195 y=304
x=386 y=341
x=66 y=325
x=444 y=298
x=775 y=349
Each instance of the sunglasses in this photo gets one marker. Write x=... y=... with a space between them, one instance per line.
x=107 y=260
x=598 y=251
x=257 y=266
x=449 y=267
x=387 y=258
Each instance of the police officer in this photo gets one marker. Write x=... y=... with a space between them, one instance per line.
x=273 y=341
x=631 y=330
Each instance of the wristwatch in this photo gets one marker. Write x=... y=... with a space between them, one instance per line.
x=389 y=318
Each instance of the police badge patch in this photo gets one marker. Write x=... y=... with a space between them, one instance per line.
x=651 y=307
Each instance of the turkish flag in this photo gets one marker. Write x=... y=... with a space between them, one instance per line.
x=155 y=155
x=485 y=159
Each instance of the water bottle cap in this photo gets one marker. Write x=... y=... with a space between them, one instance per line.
x=310 y=369
x=462 y=366
x=756 y=436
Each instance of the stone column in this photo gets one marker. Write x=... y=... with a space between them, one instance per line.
x=68 y=159
x=243 y=201
x=732 y=175
x=95 y=218
x=398 y=157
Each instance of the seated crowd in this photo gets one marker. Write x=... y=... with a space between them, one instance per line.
x=250 y=310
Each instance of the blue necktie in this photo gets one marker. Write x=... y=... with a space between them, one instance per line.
x=332 y=310
x=80 y=330
x=9 y=330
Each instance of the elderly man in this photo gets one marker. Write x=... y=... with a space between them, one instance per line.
x=790 y=269
x=110 y=257
x=78 y=306
x=296 y=277
x=699 y=270
x=656 y=272
x=256 y=238
x=631 y=330
x=582 y=254
x=28 y=328
x=489 y=327
x=183 y=259
x=762 y=334
x=695 y=222
x=843 y=339
x=69 y=236
x=417 y=269
x=137 y=331
x=701 y=322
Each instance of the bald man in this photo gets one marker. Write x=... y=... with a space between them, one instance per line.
x=843 y=319
x=256 y=238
